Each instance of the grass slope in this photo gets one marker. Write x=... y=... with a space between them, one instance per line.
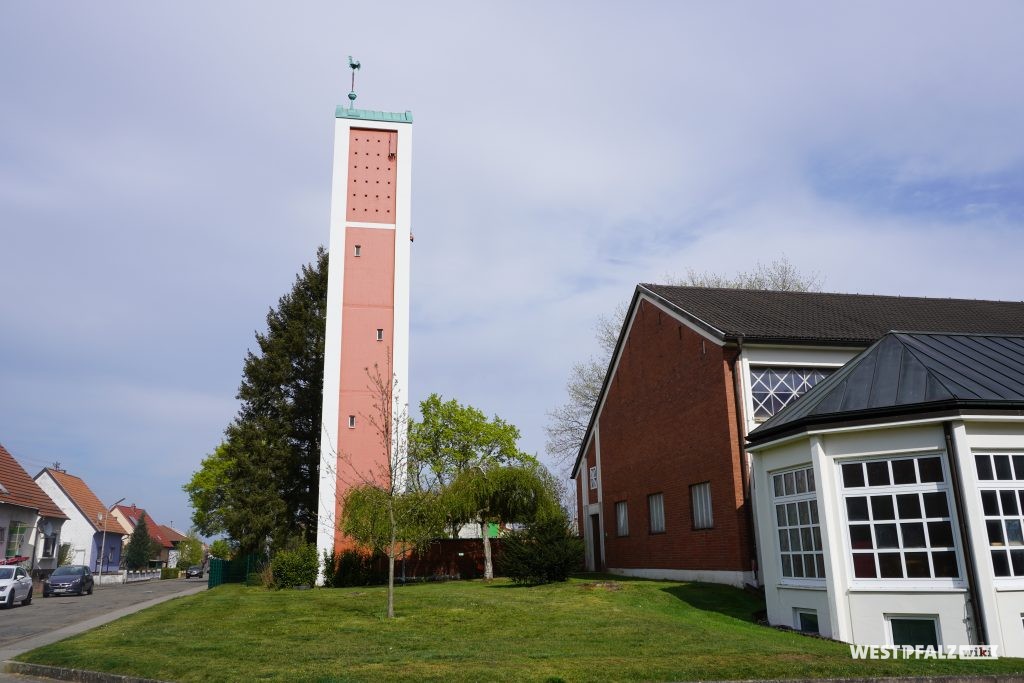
x=644 y=630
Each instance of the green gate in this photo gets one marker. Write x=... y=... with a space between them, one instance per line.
x=232 y=571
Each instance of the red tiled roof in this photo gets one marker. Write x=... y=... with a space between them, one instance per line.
x=133 y=514
x=17 y=488
x=85 y=500
x=171 y=535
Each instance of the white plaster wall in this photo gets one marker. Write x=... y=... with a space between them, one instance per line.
x=1002 y=598
x=782 y=595
x=791 y=599
x=869 y=609
x=77 y=530
x=847 y=610
x=890 y=441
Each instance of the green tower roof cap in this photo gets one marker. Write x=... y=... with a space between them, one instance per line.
x=366 y=115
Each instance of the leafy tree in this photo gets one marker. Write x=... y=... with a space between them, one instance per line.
x=567 y=424
x=190 y=551
x=206 y=492
x=380 y=514
x=499 y=495
x=260 y=485
x=221 y=549
x=140 y=546
x=452 y=438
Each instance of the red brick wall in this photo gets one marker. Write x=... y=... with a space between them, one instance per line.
x=669 y=421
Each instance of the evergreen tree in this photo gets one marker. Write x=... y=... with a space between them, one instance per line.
x=140 y=547
x=260 y=485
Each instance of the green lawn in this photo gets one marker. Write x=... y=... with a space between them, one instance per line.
x=637 y=630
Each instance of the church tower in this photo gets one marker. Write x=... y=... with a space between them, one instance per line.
x=367 y=301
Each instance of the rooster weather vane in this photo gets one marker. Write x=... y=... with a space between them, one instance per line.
x=354 y=65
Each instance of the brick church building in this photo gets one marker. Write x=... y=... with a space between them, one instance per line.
x=662 y=477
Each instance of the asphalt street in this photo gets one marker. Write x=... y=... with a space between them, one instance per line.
x=48 y=619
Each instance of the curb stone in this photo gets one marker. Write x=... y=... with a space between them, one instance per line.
x=60 y=673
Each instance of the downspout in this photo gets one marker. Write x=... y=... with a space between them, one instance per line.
x=972 y=577
x=741 y=431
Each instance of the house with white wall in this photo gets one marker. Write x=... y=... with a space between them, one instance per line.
x=890 y=497
x=95 y=536
x=30 y=522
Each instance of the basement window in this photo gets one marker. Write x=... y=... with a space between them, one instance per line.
x=913 y=630
x=807 y=621
x=351 y=421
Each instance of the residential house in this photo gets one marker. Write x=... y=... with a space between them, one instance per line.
x=890 y=502
x=95 y=536
x=30 y=522
x=174 y=537
x=128 y=516
x=662 y=476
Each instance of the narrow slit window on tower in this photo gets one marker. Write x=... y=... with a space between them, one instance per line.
x=380 y=334
x=351 y=421
x=358 y=250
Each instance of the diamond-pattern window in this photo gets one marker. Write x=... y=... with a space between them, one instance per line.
x=773 y=388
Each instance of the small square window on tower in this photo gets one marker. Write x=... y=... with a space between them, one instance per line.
x=358 y=251
x=351 y=421
x=380 y=334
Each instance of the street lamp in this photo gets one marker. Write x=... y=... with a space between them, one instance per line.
x=104 y=516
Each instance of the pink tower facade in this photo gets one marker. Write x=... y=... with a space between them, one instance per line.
x=367 y=302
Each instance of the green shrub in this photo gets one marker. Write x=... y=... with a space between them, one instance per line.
x=297 y=567
x=543 y=552
x=353 y=568
x=169 y=573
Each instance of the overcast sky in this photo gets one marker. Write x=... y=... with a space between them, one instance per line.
x=165 y=170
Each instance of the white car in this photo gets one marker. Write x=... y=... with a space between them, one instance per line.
x=15 y=586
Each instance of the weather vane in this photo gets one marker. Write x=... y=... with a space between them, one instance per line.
x=354 y=65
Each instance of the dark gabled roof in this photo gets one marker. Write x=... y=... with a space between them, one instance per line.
x=17 y=488
x=818 y=317
x=911 y=372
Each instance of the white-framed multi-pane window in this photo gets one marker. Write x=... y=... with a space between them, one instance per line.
x=796 y=522
x=772 y=388
x=15 y=537
x=700 y=502
x=622 y=518
x=593 y=478
x=656 y=513
x=1001 y=487
x=900 y=521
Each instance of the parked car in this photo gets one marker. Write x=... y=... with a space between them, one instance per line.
x=72 y=578
x=15 y=585
x=194 y=571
